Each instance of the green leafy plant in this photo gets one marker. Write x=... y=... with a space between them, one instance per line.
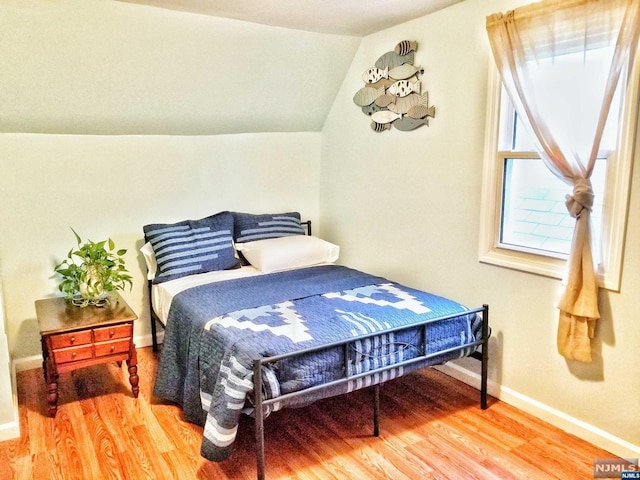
x=91 y=271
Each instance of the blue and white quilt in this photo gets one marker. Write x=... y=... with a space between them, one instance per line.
x=215 y=331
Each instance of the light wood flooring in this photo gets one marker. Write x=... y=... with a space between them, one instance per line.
x=431 y=428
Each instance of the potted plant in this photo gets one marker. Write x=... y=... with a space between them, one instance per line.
x=91 y=271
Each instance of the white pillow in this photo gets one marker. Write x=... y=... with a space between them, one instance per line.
x=283 y=253
x=150 y=259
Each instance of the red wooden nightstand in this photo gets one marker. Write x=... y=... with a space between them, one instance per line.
x=74 y=337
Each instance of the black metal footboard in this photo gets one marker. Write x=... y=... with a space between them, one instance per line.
x=260 y=403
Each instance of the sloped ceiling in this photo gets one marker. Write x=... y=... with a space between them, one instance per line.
x=339 y=17
x=115 y=67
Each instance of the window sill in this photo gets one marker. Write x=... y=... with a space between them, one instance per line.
x=548 y=267
x=537 y=265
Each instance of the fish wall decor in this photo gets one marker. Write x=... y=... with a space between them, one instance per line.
x=405 y=71
x=383 y=82
x=392 y=60
x=375 y=74
x=402 y=88
x=380 y=127
x=385 y=116
x=392 y=94
x=370 y=109
x=407 y=123
x=421 y=111
x=405 y=46
x=403 y=104
x=366 y=96
x=384 y=100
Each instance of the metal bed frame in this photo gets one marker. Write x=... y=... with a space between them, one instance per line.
x=260 y=403
x=259 y=364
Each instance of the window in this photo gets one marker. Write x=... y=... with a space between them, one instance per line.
x=533 y=213
x=524 y=221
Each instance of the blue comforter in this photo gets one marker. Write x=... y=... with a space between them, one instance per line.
x=215 y=331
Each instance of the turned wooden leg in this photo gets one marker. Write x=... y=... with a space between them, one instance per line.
x=45 y=356
x=51 y=378
x=52 y=398
x=132 y=363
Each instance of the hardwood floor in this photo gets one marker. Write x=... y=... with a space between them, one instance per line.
x=431 y=428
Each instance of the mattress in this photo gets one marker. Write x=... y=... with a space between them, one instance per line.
x=162 y=294
x=214 y=332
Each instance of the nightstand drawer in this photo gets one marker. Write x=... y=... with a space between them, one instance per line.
x=109 y=333
x=111 y=348
x=72 y=354
x=64 y=340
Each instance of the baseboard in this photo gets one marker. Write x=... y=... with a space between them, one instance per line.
x=583 y=430
x=11 y=429
x=142 y=341
x=35 y=361
x=580 y=429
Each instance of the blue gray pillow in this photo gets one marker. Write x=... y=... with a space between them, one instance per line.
x=249 y=227
x=192 y=246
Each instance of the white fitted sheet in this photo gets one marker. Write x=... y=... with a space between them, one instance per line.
x=162 y=293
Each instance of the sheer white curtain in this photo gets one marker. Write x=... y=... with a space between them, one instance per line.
x=531 y=46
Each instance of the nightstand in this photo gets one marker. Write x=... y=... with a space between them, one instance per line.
x=74 y=337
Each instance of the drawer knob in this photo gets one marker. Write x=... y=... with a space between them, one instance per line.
x=73 y=339
x=113 y=347
x=111 y=333
x=73 y=355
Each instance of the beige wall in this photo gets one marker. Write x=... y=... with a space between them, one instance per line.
x=113 y=185
x=108 y=67
x=406 y=205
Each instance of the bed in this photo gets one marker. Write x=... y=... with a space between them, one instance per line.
x=255 y=303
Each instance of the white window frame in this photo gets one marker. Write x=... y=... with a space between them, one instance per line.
x=615 y=210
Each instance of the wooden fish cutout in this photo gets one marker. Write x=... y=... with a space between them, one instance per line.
x=392 y=60
x=374 y=75
x=403 y=104
x=380 y=127
x=365 y=96
x=369 y=109
x=405 y=46
x=385 y=116
x=407 y=123
x=422 y=111
x=383 y=82
x=405 y=71
x=384 y=100
x=402 y=88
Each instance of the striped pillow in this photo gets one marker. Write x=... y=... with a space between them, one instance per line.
x=249 y=227
x=192 y=246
